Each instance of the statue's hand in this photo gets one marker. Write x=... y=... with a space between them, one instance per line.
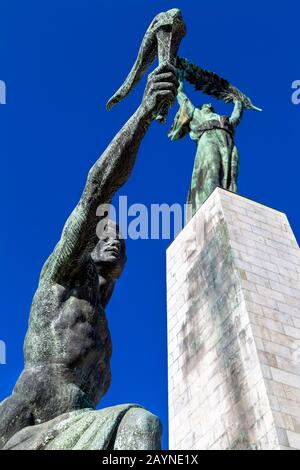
x=161 y=87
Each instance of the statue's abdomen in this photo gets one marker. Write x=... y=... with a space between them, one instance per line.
x=72 y=331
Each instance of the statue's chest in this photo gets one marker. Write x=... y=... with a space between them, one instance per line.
x=201 y=117
x=57 y=306
x=76 y=311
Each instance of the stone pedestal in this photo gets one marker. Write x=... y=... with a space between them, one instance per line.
x=234 y=329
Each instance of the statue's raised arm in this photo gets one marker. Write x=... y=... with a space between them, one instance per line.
x=183 y=118
x=182 y=98
x=237 y=113
x=108 y=174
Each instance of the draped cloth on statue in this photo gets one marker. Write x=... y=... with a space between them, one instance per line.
x=77 y=430
x=181 y=124
x=217 y=160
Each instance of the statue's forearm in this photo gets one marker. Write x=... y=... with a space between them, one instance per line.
x=107 y=175
x=237 y=113
x=113 y=168
x=181 y=97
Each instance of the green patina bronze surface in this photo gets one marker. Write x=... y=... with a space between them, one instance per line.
x=68 y=345
x=217 y=158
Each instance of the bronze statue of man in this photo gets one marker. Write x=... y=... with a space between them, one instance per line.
x=68 y=347
x=217 y=158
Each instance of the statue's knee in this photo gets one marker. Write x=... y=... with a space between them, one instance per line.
x=139 y=430
x=147 y=422
x=16 y=414
x=142 y=420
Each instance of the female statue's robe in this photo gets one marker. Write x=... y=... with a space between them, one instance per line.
x=217 y=159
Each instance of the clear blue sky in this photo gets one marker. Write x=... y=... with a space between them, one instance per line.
x=61 y=61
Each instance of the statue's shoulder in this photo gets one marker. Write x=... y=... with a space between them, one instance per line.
x=57 y=271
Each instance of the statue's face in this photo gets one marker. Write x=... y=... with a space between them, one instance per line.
x=109 y=255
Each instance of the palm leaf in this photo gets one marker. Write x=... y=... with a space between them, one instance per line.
x=212 y=84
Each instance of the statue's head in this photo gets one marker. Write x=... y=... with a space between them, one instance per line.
x=207 y=108
x=109 y=257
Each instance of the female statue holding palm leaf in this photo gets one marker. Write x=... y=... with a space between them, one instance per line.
x=217 y=158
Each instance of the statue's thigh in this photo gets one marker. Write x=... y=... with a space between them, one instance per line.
x=210 y=155
x=139 y=430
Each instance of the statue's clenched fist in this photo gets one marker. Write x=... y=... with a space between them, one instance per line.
x=161 y=88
